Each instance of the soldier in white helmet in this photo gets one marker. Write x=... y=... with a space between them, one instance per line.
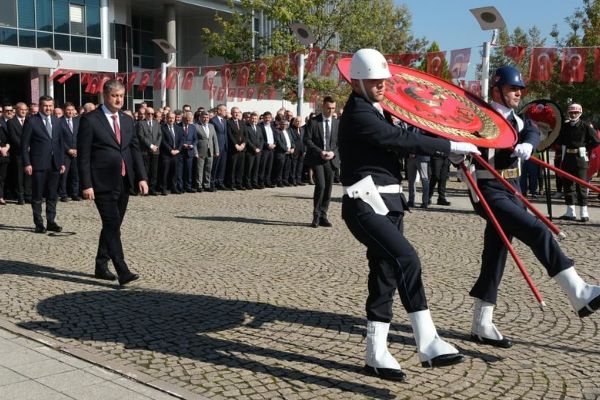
x=370 y=149
x=577 y=138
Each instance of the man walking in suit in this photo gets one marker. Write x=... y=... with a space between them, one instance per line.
x=42 y=155
x=170 y=147
x=220 y=163
x=22 y=181
x=69 y=181
x=150 y=136
x=236 y=134
x=254 y=145
x=321 y=153
x=110 y=164
x=298 y=156
x=266 y=162
x=207 y=149
x=284 y=149
x=188 y=152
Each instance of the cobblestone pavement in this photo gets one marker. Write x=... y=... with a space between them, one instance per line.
x=241 y=299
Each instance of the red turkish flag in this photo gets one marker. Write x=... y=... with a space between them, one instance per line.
x=408 y=59
x=92 y=84
x=144 y=80
x=188 y=77
x=596 y=73
x=474 y=87
x=56 y=73
x=220 y=93
x=459 y=62
x=209 y=77
x=271 y=92
x=279 y=65
x=65 y=77
x=231 y=94
x=435 y=62
x=331 y=57
x=226 y=75
x=84 y=77
x=121 y=76
x=515 y=53
x=572 y=68
x=172 y=78
x=241 y=94
x=157 y=84
x=312 y=60
x=392 y=58
x=261 y=93
x=243 y=74
x=131 y=80
x=102 y=79
x=542 y=63
x=294 y=62
x=260 y=75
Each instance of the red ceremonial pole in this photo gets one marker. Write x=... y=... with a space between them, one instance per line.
x=507 y=243
x=514 y=191
x=565 y=174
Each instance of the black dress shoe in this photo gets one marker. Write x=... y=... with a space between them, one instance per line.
x=130 y=277
x=567 y=218
x=325 y=222
x=64 y=199
x=104 y=274
x=153 y=193
x=211 y=190
x=76 y=198
x=163 y=193
x=385 y=373
x=503 y=343
x=584 y=219
x=301 y=184
x=443 y=202
x=40 y=229
x=54 y=227
x=590 y=308
x=21 y=202
x=315 y=222
x=444 y=360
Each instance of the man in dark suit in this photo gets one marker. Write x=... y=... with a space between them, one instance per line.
x=266 y=161
x=188 y=153
x=207 y=149
x=284 y=149
x=42 y=155
x=254 y=145
x=322 y=154
x=170 y=149
x=69 y=182
x=219 y=121
x=21 y=181
x=298 y=156
x=110 y=164
x=236 y=134
x=150 y=136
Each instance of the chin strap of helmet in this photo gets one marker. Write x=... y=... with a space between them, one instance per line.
x=364 y=91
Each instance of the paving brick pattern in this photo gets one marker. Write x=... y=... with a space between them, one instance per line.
x=240 y=299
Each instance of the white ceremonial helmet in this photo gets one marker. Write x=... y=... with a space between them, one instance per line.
x=576 y=110
x=369 y=64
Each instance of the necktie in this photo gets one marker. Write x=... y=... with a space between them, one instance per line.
x=118 y=136
x=237 y=125
x=172 y=133
x=21 y=121
x=49 y=127
x=150 y=124
x=327 y=133
x=185 y=129
x=70 y=123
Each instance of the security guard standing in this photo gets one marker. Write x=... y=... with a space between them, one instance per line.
x=370 y=148
x=576 y=138
x=516 y=221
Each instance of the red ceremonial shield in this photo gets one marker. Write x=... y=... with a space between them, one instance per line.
x=441 y=108
x=548 y=117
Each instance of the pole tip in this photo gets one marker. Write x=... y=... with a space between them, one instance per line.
x=561 y=235
x=542 y=304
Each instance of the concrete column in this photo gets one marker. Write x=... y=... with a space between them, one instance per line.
x=104 y=29
x=34 y=77
x=171 y=18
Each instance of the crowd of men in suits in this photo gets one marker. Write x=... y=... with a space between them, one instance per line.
x=183 y=151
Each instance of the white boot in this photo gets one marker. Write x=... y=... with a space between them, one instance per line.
x=433 y=351
x=584 y=298
x=570 y=214
x=378 y=359
x=585 y=217
x=483 y=329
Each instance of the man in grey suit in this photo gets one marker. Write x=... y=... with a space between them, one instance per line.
x=149 y=136
x=207 y=148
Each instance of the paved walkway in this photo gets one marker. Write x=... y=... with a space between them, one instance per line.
x=240 y=299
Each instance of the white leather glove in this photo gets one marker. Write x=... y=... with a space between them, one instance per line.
x=523 y=151
x=463 y=148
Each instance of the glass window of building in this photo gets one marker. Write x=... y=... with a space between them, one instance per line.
x=43 y=15
x=77 y=19
x=26 y=14
x=8 y=15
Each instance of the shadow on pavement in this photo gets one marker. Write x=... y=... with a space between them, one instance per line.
x=183 y=325
x=244 y=220
x=9 y=267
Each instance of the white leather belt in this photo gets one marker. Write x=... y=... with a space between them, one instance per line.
x=384 y=189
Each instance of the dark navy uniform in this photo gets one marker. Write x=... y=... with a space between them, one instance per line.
x=512 y=215
x=573 y=137
x=371 y=145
